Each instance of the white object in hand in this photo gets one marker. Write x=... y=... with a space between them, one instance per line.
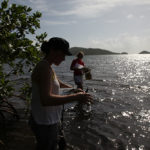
x=78 y=66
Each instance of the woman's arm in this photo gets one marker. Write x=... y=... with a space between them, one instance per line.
x=54 y=100
x=50 y=99
x=64 y=85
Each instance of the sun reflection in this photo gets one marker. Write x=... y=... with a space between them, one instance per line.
x=133 y=135
x=79 y=127
x=141 y=147
x=127 y=114
x=144 y=116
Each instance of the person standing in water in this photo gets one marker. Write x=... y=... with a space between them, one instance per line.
x=46 y=103
x=77 y=66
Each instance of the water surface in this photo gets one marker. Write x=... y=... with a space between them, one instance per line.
x=120 y=117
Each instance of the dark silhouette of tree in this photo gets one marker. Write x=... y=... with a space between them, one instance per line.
x=17 y=24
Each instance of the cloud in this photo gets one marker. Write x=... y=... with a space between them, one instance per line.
x=111 y=21
x=124 y=42
x=49 y=22
x=142 y=16
x=81 y=8
x=41 y=5
x=130 y=16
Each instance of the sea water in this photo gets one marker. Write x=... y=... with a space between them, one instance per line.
x=120 y=113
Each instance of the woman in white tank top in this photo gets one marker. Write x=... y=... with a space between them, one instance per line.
x=46 y=102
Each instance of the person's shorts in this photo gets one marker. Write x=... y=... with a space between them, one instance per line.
x=78 y=79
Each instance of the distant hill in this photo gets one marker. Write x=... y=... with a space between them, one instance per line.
x=144 y=52
x=124 y=53
x=91 y=51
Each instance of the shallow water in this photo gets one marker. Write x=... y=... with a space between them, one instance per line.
x=120 y=116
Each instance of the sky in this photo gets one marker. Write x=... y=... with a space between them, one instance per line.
x=115 y=25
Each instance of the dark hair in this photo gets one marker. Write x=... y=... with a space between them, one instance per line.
x=45 y=47
x=55 y=43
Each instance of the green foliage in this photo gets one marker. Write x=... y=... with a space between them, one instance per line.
x=26 y=94
x=6 y=88
x=17 y=24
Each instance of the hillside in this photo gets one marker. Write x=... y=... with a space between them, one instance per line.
x=144 y=52
x=91 y=51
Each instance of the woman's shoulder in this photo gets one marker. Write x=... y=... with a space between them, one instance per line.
x=42 y=67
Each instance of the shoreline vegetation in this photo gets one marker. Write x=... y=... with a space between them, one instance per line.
x=99 y=51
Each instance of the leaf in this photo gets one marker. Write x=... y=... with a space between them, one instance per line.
x=4 y=4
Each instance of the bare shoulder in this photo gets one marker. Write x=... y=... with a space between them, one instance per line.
x=42 y=64
x=41 y=69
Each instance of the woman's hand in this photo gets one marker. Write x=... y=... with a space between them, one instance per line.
x=78 y=90
x=84 y=97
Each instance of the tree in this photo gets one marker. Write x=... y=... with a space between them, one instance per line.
x=17 y=24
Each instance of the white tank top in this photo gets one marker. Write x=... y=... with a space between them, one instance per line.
x=45 y=115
